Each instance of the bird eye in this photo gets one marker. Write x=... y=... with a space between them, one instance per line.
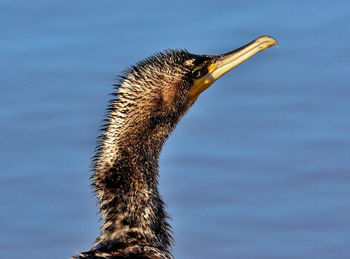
x=199 y=72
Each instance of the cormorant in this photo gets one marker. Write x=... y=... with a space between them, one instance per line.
x=150 y=99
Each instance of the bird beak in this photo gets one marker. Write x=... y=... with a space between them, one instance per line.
x=221 y=64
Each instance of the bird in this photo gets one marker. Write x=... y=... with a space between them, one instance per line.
x=149 y=100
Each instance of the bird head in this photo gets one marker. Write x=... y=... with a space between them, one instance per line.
x=156 y=92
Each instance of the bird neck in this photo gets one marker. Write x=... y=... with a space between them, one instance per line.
x=126 y=182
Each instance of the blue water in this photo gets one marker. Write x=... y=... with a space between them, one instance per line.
x=260 y=166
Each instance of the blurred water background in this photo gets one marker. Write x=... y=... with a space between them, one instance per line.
x=259 y=167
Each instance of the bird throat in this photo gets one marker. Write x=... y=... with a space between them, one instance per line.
x=126 y=182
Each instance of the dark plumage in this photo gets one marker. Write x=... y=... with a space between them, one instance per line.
x=149 y=101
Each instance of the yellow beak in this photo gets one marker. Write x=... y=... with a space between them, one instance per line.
x=223 y=63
